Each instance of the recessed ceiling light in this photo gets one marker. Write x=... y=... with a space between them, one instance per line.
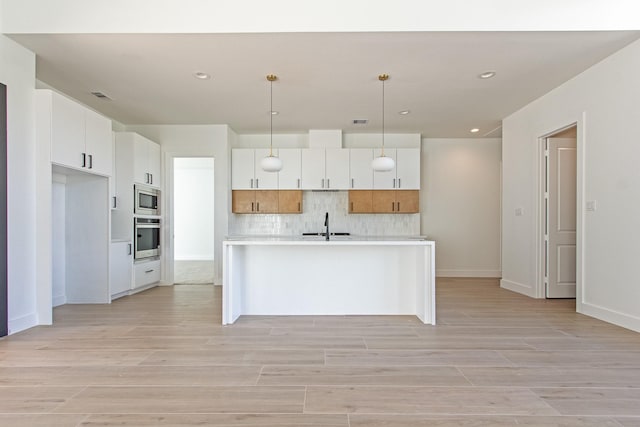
x=474 y=130
x=202 y=76
x=404 y=112
x=487 y=75
x=274 y=113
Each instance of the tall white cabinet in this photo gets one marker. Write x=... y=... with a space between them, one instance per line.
x=81 y=155
x=80 y=137
x=137 y=162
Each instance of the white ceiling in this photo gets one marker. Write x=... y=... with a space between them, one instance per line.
x=325 y=79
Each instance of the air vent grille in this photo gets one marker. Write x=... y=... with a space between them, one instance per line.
x=100 y=95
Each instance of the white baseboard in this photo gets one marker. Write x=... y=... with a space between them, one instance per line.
x=22 y=323
x=59 y=300
x=518 y=287
x=611 y=316
x=469 y=273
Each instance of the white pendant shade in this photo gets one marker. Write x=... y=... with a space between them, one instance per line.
x=383 y=164
x=271 y=164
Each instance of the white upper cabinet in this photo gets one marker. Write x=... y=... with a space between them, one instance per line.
x=246 y=172
x=325 y=169
x=385 y=180
x=313 y=161
x=337 y=168
x=242 y=169
x=360 y=168
x=408 y=168
x=289 y=178
x=80 y=138
x=406 y=173
x=146 y=161
x=264 y=180
x=99 y=143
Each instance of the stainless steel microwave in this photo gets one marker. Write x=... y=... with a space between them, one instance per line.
x=147 y=200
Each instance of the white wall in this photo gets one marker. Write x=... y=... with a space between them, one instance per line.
x=460 y=204
x=193 y=207
x=17 y=72
x=603 y=101
x=196 y=141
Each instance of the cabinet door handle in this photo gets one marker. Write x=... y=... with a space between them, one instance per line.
x=352 y=185
x=252 y=204
x=298 y=182
x=322 y=182
x=398 y=207
x=149 y=271
x=399 y=183
x=130 y=249
x=150 y=178
x=257 y=206
x=393 y=206
x=251 y=180
x=351 y=207
x=394 y=183
x=90 y=161
x=328 y=183
x=84 y=160
x=299 y=207
x=257 y=184
x=115 y=202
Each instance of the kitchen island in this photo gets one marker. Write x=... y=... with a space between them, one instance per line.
x=277 y=275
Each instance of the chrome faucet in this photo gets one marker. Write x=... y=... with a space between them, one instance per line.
x=326 y=224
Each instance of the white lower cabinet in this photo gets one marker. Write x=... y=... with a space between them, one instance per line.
x=120 y=265
x=146 y=273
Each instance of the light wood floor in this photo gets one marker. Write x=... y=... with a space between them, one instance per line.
x=161 y=358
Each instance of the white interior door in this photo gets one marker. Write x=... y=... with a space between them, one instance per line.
x=561 y=218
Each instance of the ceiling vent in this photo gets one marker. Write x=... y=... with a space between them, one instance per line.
x=100 y=95
x=360 y=121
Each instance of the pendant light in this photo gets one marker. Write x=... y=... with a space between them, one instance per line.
x=383 y=163
x=271 y=163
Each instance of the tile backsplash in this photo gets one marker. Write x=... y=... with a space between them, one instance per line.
x=315 y=204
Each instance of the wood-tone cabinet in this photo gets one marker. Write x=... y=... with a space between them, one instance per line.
x=266 y=201
x=290 y=201
x=384 y=201
x=360 y=201
x=254 y=201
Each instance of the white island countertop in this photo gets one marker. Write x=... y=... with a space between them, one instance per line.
x=302 y=240
x=346 y=275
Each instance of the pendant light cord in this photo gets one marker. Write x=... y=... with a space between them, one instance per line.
x=271 y=118
x=383 y=80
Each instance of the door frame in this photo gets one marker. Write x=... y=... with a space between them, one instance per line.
x=168 y=253
x=540 y=290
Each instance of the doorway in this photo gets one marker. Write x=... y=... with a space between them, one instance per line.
x=559 y=213
x=193 y=214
